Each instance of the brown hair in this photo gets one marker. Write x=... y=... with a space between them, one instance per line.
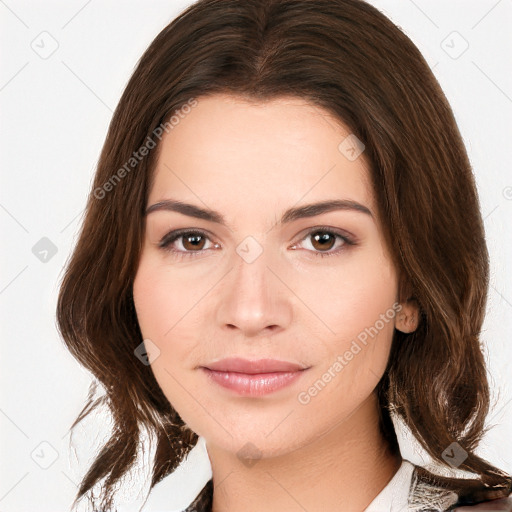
x=348 y=58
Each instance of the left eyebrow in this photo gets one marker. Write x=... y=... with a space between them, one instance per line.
x=290 y=215
x=313 y=209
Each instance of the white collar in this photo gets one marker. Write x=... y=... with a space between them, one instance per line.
x=394 y=497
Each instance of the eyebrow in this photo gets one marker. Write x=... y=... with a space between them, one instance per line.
x=290 y=215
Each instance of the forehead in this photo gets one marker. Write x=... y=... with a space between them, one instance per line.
x=243 y=154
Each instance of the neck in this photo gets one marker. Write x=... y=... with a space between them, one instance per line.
x=344 y=469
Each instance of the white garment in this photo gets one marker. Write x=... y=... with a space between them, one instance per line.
x=393 y=498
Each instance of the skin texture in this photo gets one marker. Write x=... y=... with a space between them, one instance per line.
x=251 y=162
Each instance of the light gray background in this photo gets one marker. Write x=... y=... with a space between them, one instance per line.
x=55 y=113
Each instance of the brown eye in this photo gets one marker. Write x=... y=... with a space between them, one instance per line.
x=323 y=240
x=192 y=242
x=186 y=243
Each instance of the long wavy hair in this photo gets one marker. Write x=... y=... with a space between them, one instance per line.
x=348 y=58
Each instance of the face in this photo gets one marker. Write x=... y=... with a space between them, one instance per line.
x=316 y=288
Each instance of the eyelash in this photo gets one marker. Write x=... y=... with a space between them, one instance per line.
x=171 y=237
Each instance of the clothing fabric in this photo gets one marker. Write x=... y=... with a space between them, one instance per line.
x=412 y=489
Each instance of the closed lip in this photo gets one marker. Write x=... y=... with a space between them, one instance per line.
x=237 y=364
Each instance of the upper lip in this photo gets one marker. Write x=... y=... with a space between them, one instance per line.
x=236 y=364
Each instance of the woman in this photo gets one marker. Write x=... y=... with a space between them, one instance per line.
x=304 y=262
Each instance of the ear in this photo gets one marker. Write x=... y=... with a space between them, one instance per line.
x=407 y=319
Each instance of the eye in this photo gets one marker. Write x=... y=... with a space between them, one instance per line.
x=190 y=242
x=323 y=239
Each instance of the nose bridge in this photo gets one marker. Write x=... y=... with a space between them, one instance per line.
x=253 y=298
x=251 y=269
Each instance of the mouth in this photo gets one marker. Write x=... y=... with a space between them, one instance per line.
x=237 y=364
x=253 y=378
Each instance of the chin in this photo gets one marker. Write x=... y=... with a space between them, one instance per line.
x=252 y=444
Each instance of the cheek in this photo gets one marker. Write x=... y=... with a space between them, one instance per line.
x=355 y=307
x=350 y=298
x=355 y=349
x=162 y=303
x=149 y=297
x=164 y=309
x=161 y=298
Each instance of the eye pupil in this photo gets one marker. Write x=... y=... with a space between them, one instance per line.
x=323 y=237
x=195 y=240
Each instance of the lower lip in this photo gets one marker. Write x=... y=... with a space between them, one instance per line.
x=257 y=384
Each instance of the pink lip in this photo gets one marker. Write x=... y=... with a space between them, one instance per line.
x=253 y=378
x=237 y=364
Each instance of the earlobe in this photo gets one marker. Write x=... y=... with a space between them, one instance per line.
x=407 y=319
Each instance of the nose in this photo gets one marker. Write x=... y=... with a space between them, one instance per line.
x=253 y=298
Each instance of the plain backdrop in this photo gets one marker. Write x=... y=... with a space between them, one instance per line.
x=63 y=69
